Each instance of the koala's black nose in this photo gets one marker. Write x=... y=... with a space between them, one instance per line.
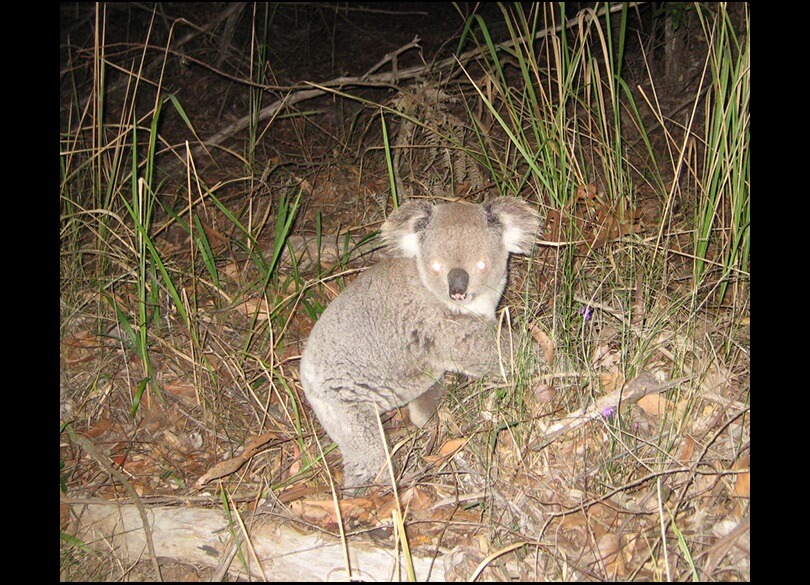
x=457 y=280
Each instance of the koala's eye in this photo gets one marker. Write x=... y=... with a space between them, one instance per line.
x=481 y=266
x=436 y=266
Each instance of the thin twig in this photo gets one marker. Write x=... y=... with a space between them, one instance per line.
x=104 y=461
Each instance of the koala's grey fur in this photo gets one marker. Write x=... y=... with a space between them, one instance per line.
x=429 y=308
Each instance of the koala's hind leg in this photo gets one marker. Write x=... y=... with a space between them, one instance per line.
x=354 y=428
x=423 y=408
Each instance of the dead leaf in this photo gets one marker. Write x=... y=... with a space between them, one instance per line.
x=555 y=226
x=100 y=426
x=586 y=191
x=386 y=505
x=608 y=549
x=257 y=307
x=544 y=393
x=315 y=514
x=544 y=341
x=323 y=512
x=80 y=347
x=687 y=449
x=451 y=446
x=232 y=271
x=742 y=485
x=229 y=466
x=300 y=490
x=576 y=521
x=655 y=404
x=606 y=358
x=216 y=239
x=182 y=389
x=611 y=380
x=416 y=498
x=296 y=464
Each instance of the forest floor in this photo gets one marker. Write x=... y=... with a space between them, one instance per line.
x=274 y=121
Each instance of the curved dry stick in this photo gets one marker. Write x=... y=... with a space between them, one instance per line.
x=103 y=460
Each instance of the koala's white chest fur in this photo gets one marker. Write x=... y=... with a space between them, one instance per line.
x=390 y=336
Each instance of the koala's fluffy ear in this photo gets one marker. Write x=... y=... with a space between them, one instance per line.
x=400 y=232
x=518 y=220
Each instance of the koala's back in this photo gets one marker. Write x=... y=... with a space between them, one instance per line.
x=387 y=339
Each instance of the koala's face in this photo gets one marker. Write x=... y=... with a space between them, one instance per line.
x=462 y=260
x=461 y=249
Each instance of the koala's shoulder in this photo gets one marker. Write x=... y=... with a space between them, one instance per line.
x=388 y=286
x=391 y=273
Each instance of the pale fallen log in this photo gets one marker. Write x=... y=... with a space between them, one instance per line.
x=201 y=537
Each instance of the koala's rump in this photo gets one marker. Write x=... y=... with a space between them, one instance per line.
x=385 y=339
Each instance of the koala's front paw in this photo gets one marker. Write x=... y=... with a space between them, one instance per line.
x=421 y=410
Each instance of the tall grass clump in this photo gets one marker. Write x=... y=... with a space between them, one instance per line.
x=123 y=186
x=709 y=158
x=722 y=242
x=556 y=93
x=108 y=202
x=585 y=142
x=577 y=137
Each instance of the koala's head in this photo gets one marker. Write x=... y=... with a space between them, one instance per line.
x=462 y=249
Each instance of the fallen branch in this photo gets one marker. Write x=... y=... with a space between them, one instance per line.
x=371 y=79
x=197 y=536
x=644 y=384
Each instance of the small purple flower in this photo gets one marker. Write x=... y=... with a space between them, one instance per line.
x=586 y=311
x=608 y=412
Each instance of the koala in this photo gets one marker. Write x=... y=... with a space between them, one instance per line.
x=427 y=308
